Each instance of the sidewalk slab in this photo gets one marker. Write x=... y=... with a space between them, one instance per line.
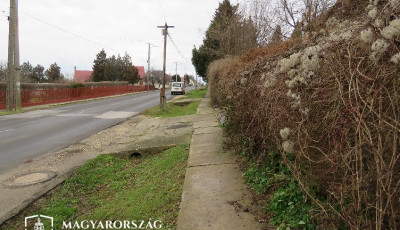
x=210 y=196
x=214 y=193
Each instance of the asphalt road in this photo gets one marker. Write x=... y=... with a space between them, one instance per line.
x=28 y=135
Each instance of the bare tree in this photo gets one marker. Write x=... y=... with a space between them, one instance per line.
x=290 y=15
x=156 y=77
x=263 y=14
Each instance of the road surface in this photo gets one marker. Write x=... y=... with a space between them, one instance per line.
x=28 y=135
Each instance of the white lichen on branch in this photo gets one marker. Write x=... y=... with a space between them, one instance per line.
x=392 y=31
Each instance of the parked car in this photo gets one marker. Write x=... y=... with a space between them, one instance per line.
x=177 y=88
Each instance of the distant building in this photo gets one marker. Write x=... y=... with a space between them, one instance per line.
x=141 y=72
x=142 y=75
x=82 y=76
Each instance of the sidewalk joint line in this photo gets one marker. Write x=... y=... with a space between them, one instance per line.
x=205 y=165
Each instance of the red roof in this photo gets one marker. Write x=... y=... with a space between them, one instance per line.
x=82 y=76
x=142 y=73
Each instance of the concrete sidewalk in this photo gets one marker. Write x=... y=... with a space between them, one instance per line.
x=214 y=193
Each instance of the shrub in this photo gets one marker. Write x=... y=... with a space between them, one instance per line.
x=77 y=85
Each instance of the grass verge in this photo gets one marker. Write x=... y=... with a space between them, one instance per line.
x=197 y=93
x=173 y=110
x=4 y=113
x=112 y=188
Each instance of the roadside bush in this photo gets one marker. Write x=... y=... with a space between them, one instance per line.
x=77 y=85
x=334 y=105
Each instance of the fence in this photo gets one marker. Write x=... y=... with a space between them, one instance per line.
x=47 y=96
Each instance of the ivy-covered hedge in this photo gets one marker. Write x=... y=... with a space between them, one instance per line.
x=333 y=102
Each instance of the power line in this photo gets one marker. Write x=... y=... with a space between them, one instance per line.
x=177 y=49
x=68 y=32
x=162 y=11
x=78 y=35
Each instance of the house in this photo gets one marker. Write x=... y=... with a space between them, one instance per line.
x=141 y=72
x=82 y=76
x=142 y=75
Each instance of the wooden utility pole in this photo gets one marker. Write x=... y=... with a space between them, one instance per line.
x=13 y=70
x=176 y=71
x=163 y=99
x=148 y=67
x=17 y=86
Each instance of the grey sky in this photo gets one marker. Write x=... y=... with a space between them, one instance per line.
x=115 y=25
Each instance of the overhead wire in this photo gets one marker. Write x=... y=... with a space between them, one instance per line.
x=68 y=32
x=177 y=49
x=170 y=37
x=78 y=35
x=162 y=10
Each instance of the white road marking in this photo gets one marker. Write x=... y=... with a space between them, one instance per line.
x=38 y=113
x=116 y=115
x=7 y=130
x=75 y=115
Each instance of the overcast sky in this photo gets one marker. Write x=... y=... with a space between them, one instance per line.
x=72 y=32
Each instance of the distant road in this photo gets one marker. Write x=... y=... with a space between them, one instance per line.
x=28 y=135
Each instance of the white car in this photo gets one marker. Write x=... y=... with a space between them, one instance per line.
x=178 y=88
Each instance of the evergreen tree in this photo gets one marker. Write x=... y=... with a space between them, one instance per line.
x=228 y=34
x=187 y=79
x=99 y=66
x=114 y=68
x=26 y=72
x=53 y=73
x=110 y=71
x=38 y=74
x=130 y=72
x=174 y=78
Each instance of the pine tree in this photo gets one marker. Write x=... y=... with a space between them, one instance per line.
x=130 y=72
x=26 y=72
x=53 y=73
x=99 y=66
x=228 y=34
x=38 y=74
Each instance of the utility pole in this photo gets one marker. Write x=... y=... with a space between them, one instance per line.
x=148 y=67
x=176 y=71
x=17 y=68
x=163 y=99
x=13 y=81
x=196 y=80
